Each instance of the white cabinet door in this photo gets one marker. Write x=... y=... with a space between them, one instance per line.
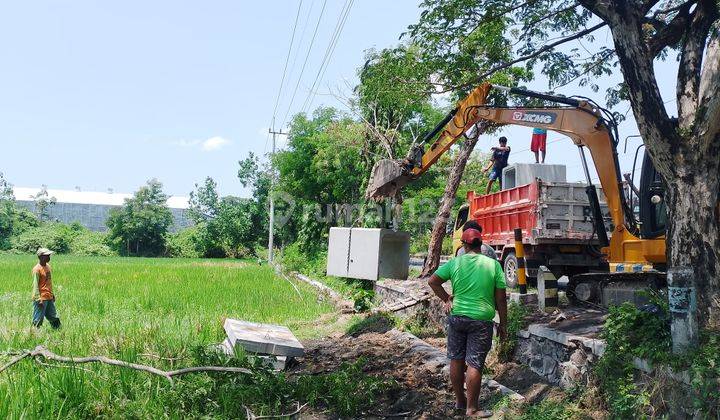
x=338 y=252
x=364 y=254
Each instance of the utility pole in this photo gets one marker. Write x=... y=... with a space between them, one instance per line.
x=272 y=199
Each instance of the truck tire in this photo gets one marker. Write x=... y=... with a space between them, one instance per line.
x=510 y=265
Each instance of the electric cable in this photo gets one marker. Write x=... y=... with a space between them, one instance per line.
x=307 y=56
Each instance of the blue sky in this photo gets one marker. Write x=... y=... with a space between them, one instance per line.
x=109 y=94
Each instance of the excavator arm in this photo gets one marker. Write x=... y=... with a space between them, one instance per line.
x=580 y=120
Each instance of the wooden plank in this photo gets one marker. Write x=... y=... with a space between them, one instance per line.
x=263 y=338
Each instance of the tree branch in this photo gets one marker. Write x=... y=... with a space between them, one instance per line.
x=44 y=353
x=671 y=33
x=15 y=360
x=601 y=9
x=536 y=53
x=707 y=122
x=691 y=58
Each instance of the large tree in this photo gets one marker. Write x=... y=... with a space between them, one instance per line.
x=395 y=97
x=140 y=226
x=557 y=37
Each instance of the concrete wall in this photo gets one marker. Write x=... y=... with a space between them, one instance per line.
x=94 y=216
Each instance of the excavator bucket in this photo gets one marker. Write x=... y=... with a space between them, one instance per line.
x=386 y=180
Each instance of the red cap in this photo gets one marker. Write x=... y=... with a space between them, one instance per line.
x=470 y=235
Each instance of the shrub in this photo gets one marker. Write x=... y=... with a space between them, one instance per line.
x=55 y=236
x=293 y=258
x=184 y=244
x=62 y=238
x=88 y=243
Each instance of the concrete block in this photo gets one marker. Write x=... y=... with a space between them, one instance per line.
x=276 y=362
x=263 y=338
x=525 y=173
x=523 y=298
x=368 y=254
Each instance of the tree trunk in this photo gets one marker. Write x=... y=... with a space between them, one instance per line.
x=693 y=236
x=684 y=152
x=448 y=200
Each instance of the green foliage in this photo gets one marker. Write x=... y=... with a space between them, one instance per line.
x=61 y=238
x=88 y=243
x=294 y=258
x=394 y=87
x=629 y=333
x=227 y=226
x=185 y=243
x=140 y=226
x=515 y=322
x=551 y=409
x=43 y=203
x=704 y=369
x=363 y=299
x=13 y=220
x=347 y=391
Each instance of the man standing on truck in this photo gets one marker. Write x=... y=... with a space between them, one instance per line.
x=478 y=287
x=42 y=294
x=538 y=143
x=498 y=161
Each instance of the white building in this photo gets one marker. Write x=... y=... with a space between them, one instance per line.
x=91 y=208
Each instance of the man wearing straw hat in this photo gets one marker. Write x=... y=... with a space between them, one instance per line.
x=42 y=294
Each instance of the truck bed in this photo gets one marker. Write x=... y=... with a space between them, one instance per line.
x=547 y=212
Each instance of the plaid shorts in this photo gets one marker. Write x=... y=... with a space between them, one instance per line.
x=469 y=339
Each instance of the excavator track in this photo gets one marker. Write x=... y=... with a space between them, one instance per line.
x=606 y=289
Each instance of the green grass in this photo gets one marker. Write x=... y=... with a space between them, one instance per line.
x=124 y=307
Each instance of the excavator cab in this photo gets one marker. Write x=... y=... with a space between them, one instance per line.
x=653 y=210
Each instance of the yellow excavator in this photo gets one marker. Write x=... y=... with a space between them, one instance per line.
x=632 y=254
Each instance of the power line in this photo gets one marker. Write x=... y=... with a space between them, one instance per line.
x=307 y=56
x=302 y=38
x=342 y=18
x=287 y=60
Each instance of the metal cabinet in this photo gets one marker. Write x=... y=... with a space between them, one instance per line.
x=368 y=254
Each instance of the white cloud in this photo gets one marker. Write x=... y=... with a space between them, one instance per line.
x=214 y=143
x=208 y=145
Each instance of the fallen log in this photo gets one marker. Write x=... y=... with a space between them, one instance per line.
x=44 y=353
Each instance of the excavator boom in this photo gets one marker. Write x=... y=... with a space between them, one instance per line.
x=389 y=176
x=581 y=120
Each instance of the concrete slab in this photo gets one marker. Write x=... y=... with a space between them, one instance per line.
x=276 y=362
x=263 y=338
x=523 y=298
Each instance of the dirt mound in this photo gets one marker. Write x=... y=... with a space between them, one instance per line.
x=523 y=380
x=372 y=324
x=423 y=389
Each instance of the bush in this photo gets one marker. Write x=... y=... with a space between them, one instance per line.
x=88 y=243
x=293 y=258
x=63 y=239
x=55 y=236
x=184 y=244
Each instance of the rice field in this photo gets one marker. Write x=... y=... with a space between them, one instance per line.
x=138 y=310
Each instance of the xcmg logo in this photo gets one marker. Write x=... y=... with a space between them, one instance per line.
x=535 y=117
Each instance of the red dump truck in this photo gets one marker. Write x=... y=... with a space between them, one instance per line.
x=556 y=222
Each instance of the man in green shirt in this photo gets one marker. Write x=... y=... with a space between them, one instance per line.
x=478 y=287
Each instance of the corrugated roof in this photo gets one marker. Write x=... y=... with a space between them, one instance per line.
x=91 y=197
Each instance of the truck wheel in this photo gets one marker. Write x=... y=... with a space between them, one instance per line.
x=510 y=266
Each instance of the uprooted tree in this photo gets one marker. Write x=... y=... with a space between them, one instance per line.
x=557 y=37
